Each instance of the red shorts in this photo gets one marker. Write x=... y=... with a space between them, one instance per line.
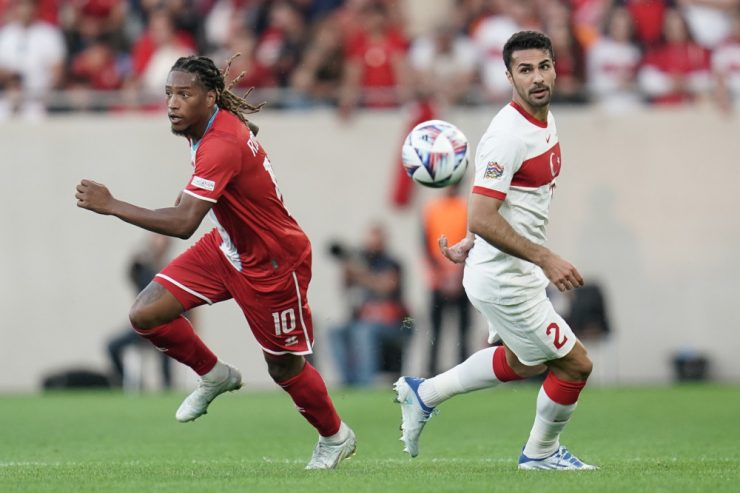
x=276 y=309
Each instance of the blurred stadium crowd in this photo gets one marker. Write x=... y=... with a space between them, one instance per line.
x=108 y=55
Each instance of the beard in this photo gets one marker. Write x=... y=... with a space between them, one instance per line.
x=181 y=132
x=538 y=103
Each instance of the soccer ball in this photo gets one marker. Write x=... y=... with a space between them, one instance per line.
x=435 y=154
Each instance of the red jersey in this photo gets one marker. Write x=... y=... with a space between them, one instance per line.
x=231 y=169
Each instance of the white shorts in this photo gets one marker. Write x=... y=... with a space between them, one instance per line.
x=531 y=329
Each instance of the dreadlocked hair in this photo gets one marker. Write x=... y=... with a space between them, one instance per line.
x=214 y=79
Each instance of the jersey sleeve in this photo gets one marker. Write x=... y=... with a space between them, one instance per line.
x=496 y=161
x=216 y=163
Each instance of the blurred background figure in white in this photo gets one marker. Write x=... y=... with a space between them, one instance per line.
x=32 y=56
x=445 y=62
x=709 y=21
x=490 y=35
x=726 y=67
x=612 y=64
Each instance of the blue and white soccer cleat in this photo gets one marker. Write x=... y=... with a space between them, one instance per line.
x=560 y=460
x=414 y=413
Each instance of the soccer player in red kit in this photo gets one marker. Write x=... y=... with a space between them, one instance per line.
x=257 y=255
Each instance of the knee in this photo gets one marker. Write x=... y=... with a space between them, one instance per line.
x=153 y=307
x=141 y=317
x=587 y=368
x=581 y=368
x=285 y=368
x=529 y=371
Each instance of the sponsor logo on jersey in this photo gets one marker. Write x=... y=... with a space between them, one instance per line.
x=493 y=170
x=203 y=183
x=291 y=340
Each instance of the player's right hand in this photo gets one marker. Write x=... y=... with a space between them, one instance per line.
x=458 y=252
x=93 y=196
x=561 y=273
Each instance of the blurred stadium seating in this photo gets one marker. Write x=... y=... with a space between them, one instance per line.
x=114 y=55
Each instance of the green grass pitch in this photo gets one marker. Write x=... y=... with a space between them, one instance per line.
x=670 y=439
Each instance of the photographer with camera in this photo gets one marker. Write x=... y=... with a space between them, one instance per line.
x=372 y=280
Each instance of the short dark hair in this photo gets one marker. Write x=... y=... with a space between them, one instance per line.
x=526 y=40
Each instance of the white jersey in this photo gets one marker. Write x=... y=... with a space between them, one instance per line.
x=610 y=63
x=517 y=161
x=726 y=62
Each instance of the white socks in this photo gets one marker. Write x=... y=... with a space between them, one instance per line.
x=218 y=373
x=474 y=373
x=477 y=372
x=337 y=437
x=551 y=418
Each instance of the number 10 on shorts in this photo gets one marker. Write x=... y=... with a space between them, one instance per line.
x=284 y=321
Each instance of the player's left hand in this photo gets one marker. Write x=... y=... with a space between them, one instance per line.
x=561 y=273
x=94 y=196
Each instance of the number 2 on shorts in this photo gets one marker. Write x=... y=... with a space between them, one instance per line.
x=558 y=341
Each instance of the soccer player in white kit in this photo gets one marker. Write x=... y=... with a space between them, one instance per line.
x=507 y=269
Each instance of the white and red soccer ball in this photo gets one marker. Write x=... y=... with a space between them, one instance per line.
x=435 y=154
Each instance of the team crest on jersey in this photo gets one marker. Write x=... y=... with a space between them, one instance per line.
x=203 y=183
x=493 y=170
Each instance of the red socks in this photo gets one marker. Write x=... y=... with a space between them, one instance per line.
x=308 y=391
x=179 y=341
x=561 y=391
x=501 y=368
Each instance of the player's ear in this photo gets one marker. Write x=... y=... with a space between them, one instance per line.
x=211 y=98
x=508 y=76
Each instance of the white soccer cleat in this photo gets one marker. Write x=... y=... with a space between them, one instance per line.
x=328 y=455
x=560 y=460
x=414 y=413
x=223 y=378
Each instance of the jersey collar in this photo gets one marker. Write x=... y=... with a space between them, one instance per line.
x=194 y=144
x=531 y=119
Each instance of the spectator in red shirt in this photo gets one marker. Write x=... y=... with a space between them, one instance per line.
x=648 y=19
x=375 y=64
x=96 y=68
x=677 y=70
